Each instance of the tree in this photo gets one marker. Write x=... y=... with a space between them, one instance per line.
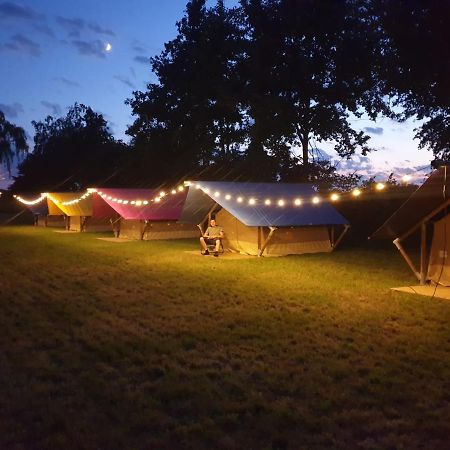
x=191 y=118
x=311 y=64
x=416 y=57
x=12 y=142
x=70 y=153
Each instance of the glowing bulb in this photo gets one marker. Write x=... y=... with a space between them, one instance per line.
x=206 y=190
x=119 y=201
x=406 y=178
x=125 y=202
x=133 y=202
x=181 y=188
x=162 y=194
x=108 y=47
x=281 y=202
x=316 y=200
x=228 y=197
x=217 y=194
x=145 y=202
x=197 y=186
x=251 y=201
x=157 y=199
x=334 y=197
x=239 y=199
x=109 y=197
x=267 y=202
x=380 y=186
x=138 y=202
x=356 y=192
x=173 y=191
x=297 y=202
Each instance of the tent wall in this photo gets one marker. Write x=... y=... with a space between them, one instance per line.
x=51 y=221
x=75 y=223
x=238 y=237
x=296 y=241
x=285 y=241
x=97 y=225
x=439 y=263
x=135 y=229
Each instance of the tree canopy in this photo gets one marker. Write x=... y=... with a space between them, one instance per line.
x=13 y=142
x=71 y=152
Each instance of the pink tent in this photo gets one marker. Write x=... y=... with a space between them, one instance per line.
x=145 y=214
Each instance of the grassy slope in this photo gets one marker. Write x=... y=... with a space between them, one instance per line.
x=143 y=345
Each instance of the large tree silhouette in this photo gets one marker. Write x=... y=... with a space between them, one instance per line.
x=71 y=152
x=12 y=142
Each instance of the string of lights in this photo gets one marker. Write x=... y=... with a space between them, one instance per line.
x=139 y=202
x=136 y=202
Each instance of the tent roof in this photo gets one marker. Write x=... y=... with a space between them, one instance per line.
x=169 y=208
x=200 y=201
x=427 y=198
x=81 y=208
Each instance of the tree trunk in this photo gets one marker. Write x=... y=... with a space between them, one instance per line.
x=304 y=141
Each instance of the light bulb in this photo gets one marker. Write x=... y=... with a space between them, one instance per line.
x=267 y=202
x=281 y=202
x=334 y=197
x=316 y=200
x=356 y=192
x=297 y=202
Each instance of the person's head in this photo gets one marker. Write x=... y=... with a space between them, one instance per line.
x=213 y=222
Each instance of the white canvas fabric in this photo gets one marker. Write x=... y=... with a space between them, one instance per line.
x=439 y=263
x=285 y=241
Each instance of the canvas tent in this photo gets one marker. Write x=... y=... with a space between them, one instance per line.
x=425 y=211
x=139 y=217
x=90 y=213
x=255 y=228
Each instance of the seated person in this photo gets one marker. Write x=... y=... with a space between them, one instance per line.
x=212 y=236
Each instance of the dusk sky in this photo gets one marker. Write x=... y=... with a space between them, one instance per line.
x=54 y=53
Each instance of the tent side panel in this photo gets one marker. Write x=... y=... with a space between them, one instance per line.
x=439 y=264
x=53 y=221
x=238 y=237
x=170 y=230
x=131 y=229
x=296 y=241
x=75 y=223
x=97 y=225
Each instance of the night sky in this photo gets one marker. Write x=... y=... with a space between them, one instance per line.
x=54 y=53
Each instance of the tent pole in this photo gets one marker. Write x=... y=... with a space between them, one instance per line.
x=113 y=223
x=396 y=242
x=144 y=229
x=272 y=230
x=339 y=239
x=332 y=236
x=425 y=219
x=423 y=253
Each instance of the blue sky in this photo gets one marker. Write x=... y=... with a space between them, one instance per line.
x=53 y=54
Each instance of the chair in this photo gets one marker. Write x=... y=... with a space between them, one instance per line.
x=212 y=247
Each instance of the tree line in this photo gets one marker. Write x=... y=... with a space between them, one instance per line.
x=250 y=92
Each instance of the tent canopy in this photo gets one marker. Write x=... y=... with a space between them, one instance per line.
x=169 y=208
x=433 y=193
x=200 y=201
x=81 y=208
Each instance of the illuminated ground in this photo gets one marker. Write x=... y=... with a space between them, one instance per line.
x=143 y=345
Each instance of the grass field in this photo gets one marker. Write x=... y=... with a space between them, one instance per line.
x=144 y=345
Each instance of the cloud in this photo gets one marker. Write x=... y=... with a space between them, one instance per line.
x=93 y=48
x=11 y=111
x=53 y=107
x=138 y=49
x=374 y=130
x=66 y=82
x=21 y=44
x=142 y=59
x=125 y=81
x=98 y=29
x=44 y=29
x=72 y=26
x=10 y=10
x=76 y=25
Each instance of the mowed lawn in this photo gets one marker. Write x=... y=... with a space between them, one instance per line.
x=145 y=345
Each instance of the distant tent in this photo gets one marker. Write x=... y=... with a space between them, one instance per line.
x=425 y=210
x=141 y=218
x=87 y=214
x=254 y=227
